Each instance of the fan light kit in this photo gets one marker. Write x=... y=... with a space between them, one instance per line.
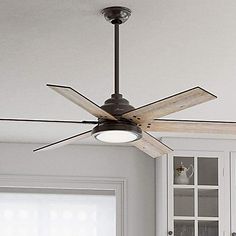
x=115 y=132
x=116 y=136
x=119 y=122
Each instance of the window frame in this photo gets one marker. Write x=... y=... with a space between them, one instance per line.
x=19 y=183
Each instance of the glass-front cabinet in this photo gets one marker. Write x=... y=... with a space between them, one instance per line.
x=194 y=194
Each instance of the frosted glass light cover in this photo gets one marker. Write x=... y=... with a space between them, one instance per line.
x=33 y=214
x=116 y=136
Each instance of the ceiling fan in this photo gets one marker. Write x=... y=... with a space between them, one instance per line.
x=119 y=122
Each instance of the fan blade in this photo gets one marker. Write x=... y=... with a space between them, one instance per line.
x=64 y=141
x=191 y=126
x=169 y=105
x=82 y=101
x=50 y=121
x=151 y=146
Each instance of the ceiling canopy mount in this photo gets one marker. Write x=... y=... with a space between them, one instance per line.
x=116 y=15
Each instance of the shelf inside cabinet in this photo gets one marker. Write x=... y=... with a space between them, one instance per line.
x=183 y=186
x=196 y=218
x=196 y=186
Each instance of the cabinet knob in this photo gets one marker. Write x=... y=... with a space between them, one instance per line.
x=171 y=233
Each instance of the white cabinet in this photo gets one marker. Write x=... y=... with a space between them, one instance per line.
x=195 y=194
x=206 y=204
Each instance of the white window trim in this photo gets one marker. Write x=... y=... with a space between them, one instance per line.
x=119 y=185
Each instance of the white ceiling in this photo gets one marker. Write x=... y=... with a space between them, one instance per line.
x=167 y=46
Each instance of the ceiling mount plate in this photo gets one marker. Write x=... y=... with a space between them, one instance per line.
x=116 y=15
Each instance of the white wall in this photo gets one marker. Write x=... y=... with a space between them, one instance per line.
x=94 y=161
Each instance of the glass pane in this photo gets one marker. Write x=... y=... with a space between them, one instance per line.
x=207 y=171
x=39 y=214
x=184 y=202
x=183 y=170
x=183 y=228
x=208 y=228
x=208 y=203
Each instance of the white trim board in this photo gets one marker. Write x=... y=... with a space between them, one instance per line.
x=233 y=191
x=118 y=185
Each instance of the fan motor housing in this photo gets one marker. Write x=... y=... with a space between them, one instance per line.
x=117 y=125
x=117 y=105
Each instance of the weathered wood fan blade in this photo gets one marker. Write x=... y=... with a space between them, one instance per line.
x=82 y=101
x=170 y=105
x=64 y=141
x=49 y=121
x=191 y=126
x=151 y=146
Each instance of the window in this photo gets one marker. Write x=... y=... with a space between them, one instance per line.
x=57 y=213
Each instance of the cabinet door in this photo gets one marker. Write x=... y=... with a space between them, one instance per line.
x=233 y=193
x=195 y=194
